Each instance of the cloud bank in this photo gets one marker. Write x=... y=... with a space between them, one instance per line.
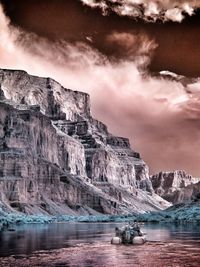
x=160 y=116
x=167 y=10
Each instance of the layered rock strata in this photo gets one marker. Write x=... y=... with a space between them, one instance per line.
x=55 y=158
x=175 y=187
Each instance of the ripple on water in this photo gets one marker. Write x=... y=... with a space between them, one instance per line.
x=88 y=245
x=103 y=254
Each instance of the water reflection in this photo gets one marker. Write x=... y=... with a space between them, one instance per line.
x=29 y=238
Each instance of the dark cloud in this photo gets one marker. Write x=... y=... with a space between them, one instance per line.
x=148 y=10
x=177 y=43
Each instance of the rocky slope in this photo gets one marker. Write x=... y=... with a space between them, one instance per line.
x=175 y=187
x=55 y=158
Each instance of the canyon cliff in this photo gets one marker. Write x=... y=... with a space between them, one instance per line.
x=175 y=187
x=55 y=158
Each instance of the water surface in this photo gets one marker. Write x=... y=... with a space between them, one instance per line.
x=88 y=245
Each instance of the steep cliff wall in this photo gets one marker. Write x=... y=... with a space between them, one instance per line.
x=56 y=159
x=54 y=100
x=175 y=187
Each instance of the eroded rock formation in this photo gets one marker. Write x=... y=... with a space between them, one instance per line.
x=175 y=187
x=55 y=158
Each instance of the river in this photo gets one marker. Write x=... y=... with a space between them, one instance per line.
x=88 y=245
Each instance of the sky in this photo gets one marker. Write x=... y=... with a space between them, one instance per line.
x=115 y=50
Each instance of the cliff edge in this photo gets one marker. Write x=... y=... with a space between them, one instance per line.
x=55 y=158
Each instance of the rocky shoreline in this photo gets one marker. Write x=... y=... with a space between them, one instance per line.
x=179 y=214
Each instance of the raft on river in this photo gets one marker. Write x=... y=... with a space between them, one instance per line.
x=129 y=234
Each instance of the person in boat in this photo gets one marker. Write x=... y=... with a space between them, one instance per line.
x=135 y=229
x=128 y=232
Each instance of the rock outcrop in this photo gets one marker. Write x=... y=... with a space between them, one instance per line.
x=175 y=187
x=55 y=158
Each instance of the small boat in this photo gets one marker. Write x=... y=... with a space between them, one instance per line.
x=129 y=234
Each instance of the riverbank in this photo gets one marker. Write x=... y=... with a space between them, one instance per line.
x=8 y=220
x=181 y=213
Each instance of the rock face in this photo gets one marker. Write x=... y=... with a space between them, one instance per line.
x=55 y=158
x=175 y=187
